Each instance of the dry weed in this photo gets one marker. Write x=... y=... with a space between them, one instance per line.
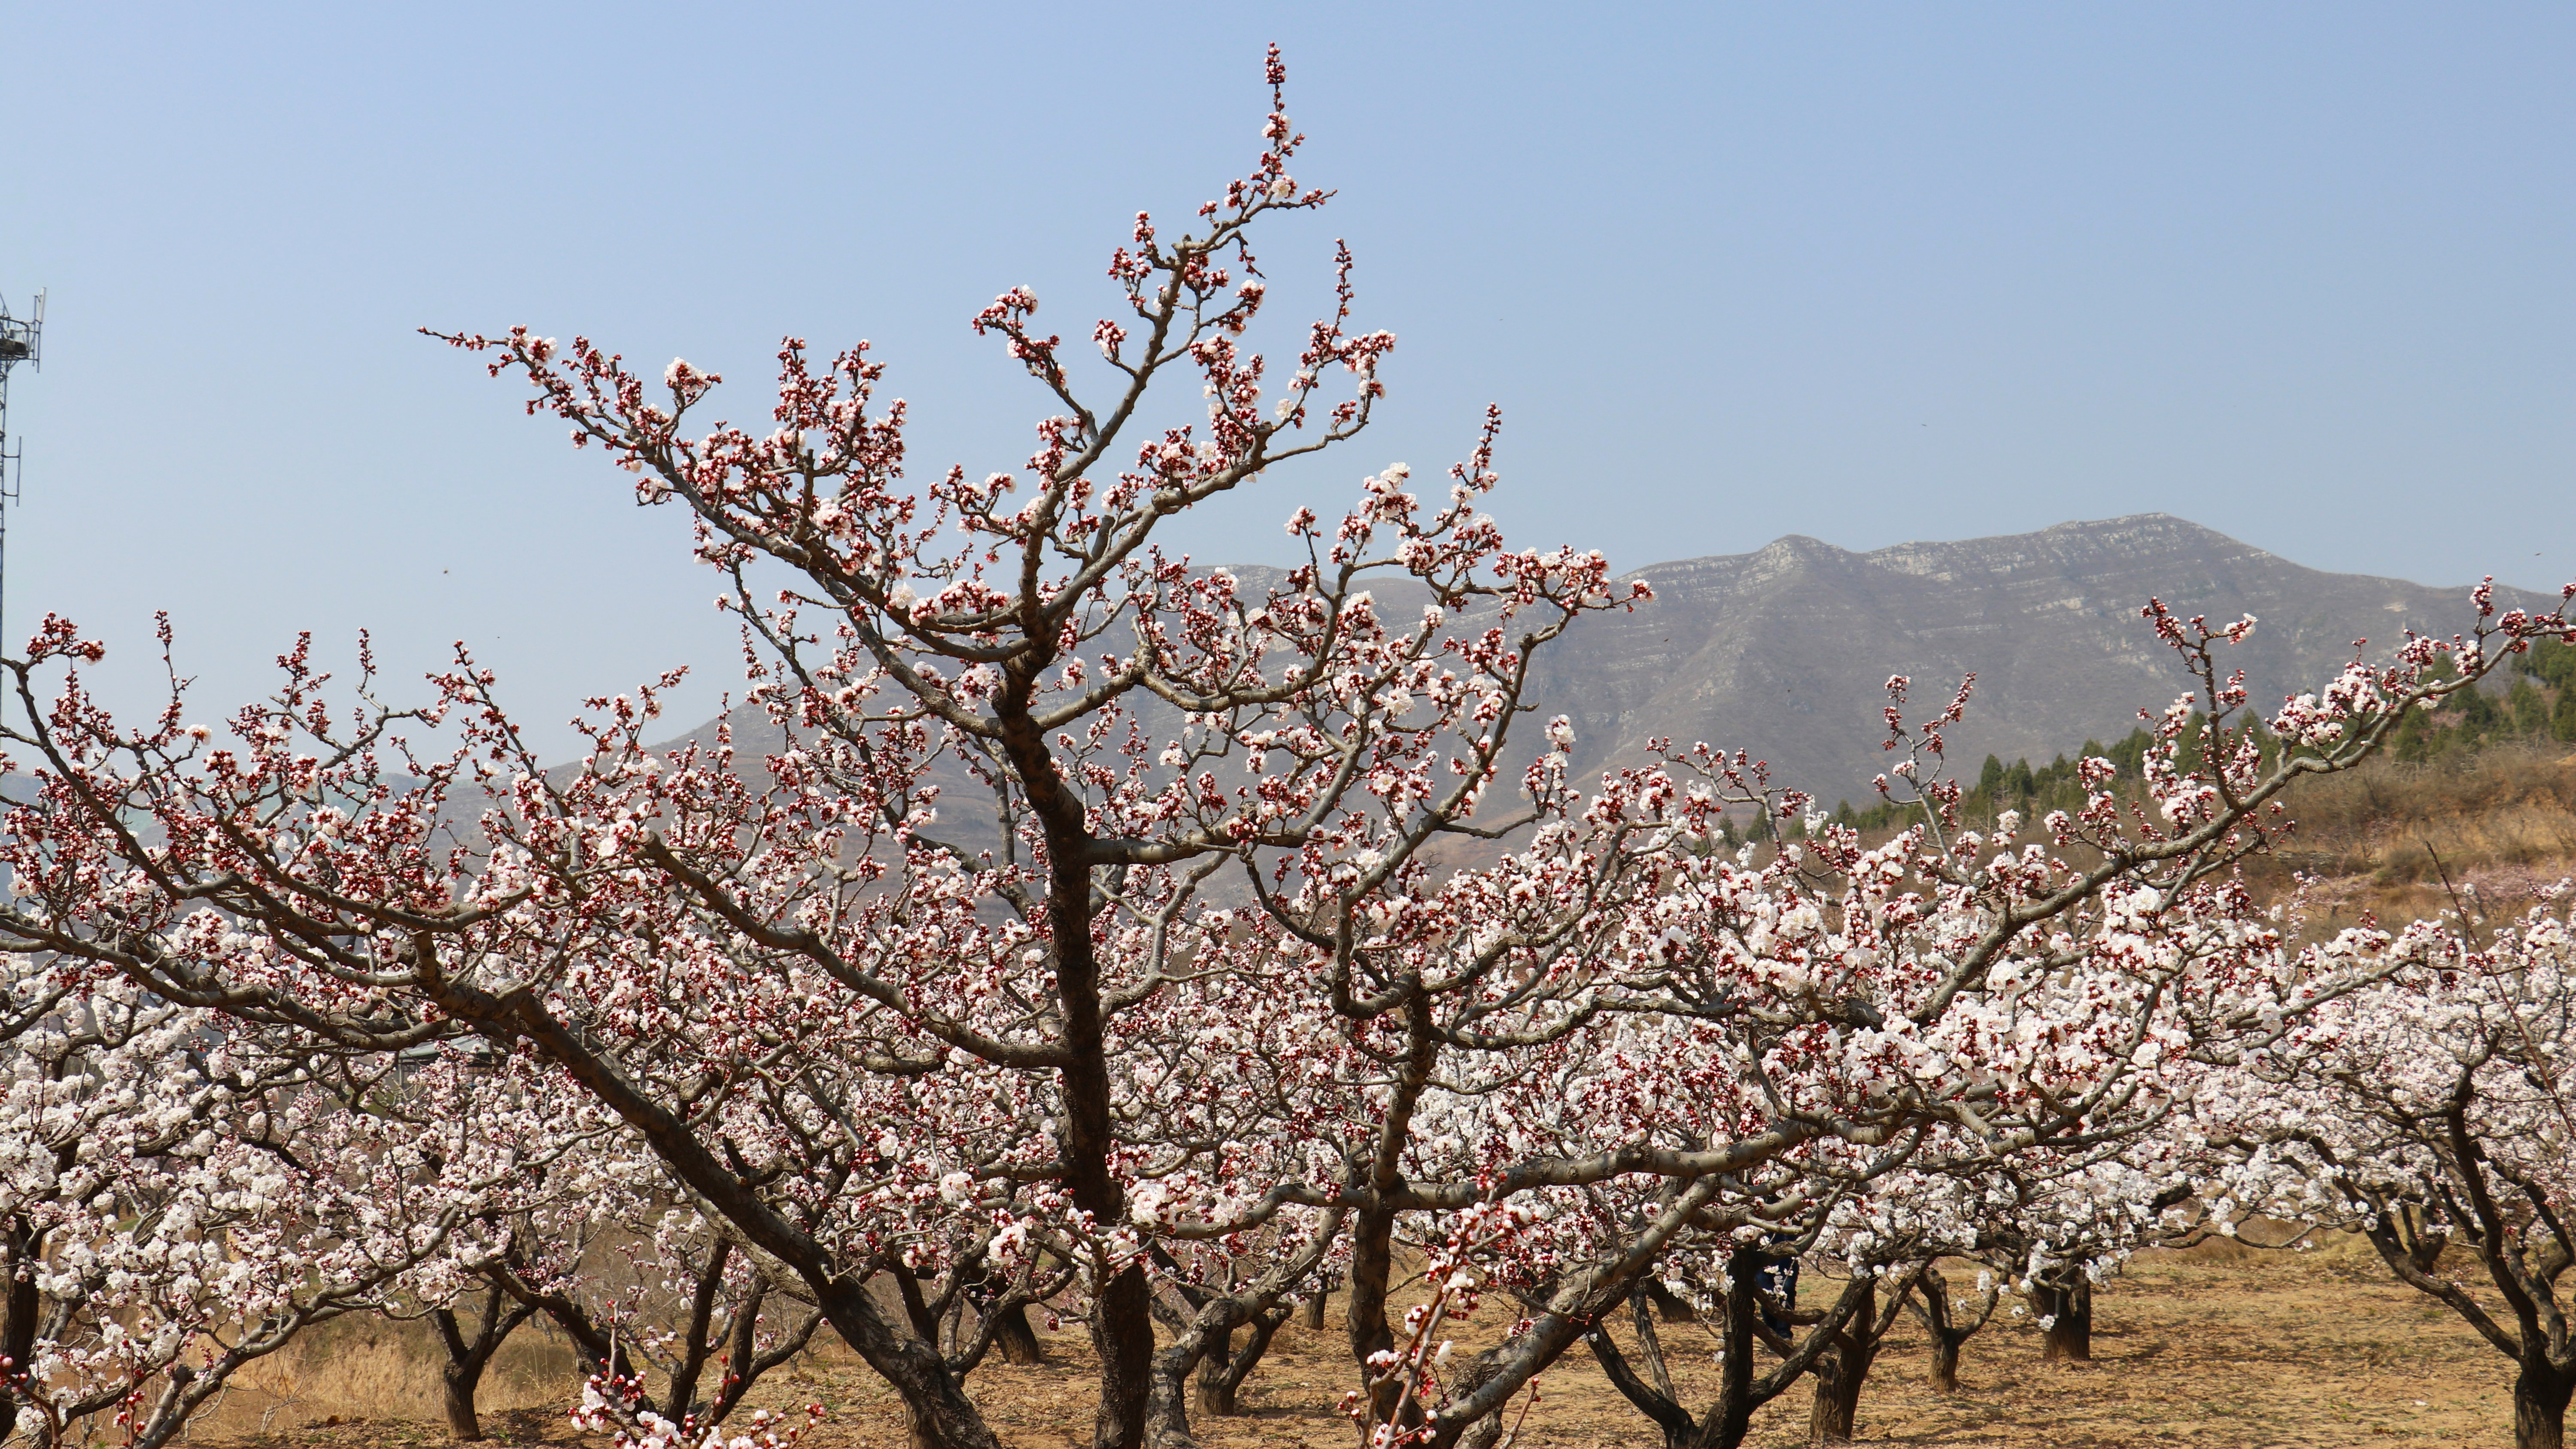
x=2223 y=1345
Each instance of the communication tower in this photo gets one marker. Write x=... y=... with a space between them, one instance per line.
x=22 y=339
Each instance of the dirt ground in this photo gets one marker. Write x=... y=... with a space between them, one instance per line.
x=2231 y=1348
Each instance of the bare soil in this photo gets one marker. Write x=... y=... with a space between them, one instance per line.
x=2222 y=1346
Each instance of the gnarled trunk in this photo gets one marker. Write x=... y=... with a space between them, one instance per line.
x=1840 y=1374
x=458 y=1382
x=1214 y=1391
x=1122 y=1334
x=1731 y=1417
x=2540 y=1396
x=1015 y=1338
x=2068 y=1306
x=1941 y=1322
x=1945 y=1363
x=462 y=1374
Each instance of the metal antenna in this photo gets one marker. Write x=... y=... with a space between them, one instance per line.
x=22 y=339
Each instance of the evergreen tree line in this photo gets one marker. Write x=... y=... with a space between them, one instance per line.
x=2540 y=706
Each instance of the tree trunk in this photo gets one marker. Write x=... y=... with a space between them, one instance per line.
x=21 y=1306
x=1214 y=1396
x=942 y=1417
x=1122 y=1333
x=1943 y=1325
x=2069 y=1309
x=1945 y=1360
x=1837 y=1402
x=681 y=1396
x=462 y=1374
x=1015 y=1338
x=1310 y=1314
x=2540 y=1407
x=1372 y=1265
x=1122 y=1312
x=916 y=1309
x=458 y=1381
x=912 y=1368
x=1201 y=1343
x=1840 y=1374
x=1731 y=1417
x=1669 y=1304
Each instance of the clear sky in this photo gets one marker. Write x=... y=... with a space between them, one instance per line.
x=1869 y=273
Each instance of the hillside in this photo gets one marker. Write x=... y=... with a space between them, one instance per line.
x=1785 y=652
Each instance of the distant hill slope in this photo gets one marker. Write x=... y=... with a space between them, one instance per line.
x=1785 y=652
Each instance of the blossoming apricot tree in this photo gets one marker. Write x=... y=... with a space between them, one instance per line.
x=2432 y=1113
x=1092 y=925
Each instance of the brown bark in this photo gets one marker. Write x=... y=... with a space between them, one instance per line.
x=1122 y=1333
x=1941 y=1323
x=1200 y=1360
x=1731 y=1417
x=2540 y=1407
x=20 y=1308
x=1015 y=1338
x=1122 y=1318
x=683 y=1393
x=1945 y=1365
x=462 y=1374
x=2068 y=1305
x=916 y=1309
x=457 y=1398
x=1668 y=1303
x=1739 y=1393
x=1214 y=1395
x=1372 y=1330
x=1310 y=1314
x=1841 y=1372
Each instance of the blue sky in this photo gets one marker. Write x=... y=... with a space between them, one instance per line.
x=1869 y=273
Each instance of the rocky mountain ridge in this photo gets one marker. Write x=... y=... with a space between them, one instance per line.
x=1785 y=652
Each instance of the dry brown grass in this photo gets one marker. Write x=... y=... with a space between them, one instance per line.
x=2222 y=1346
x=2385 y=835
x=381 y=1372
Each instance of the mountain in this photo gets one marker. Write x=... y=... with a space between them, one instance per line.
x=1785 y=652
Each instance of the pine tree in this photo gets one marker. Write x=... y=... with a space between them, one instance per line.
x=2265 y=742
x=2478 y=711
x=2130 y=754
x=2555 y=661
x=2192 y=731
x=2414 y=742
x=2530 y=712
